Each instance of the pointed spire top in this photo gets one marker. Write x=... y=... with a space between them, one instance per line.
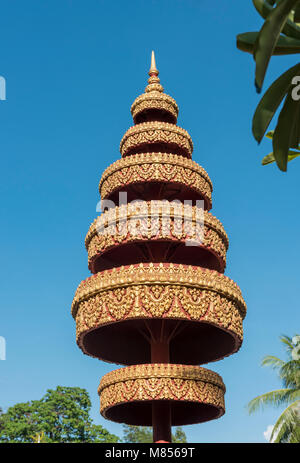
x=153 y=81
x=153 y=70
x=154 y=100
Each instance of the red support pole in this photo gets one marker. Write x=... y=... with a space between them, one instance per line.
x=161 y=421
x=161 y=410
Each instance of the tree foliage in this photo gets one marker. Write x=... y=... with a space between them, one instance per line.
x=270 y=157
x=279 y=35
x=143 y=434
x=62 y=415
x=287 y=427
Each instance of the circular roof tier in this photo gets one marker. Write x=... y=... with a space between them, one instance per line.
x=156 y=231
x=151 y=176
x=202 y=310
x=194 y=394
x=156 y=134
x=150 y=104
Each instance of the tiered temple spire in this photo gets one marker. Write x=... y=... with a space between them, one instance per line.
x=155 y=304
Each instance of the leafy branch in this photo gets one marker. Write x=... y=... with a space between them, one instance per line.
x=279 y=35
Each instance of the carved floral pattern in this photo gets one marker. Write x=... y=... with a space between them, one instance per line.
x=156 y=167
x=148 y=291
x=161 y=382
x=154 y=100
x=156 y=132
x=155 y=220
x=164 y=291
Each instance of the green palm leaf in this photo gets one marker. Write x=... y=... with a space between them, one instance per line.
x=287 y=424
x=275 y=398
x=290 y=371
x=270 y=102
x=268 y=37
x=271 y=361
x=287 y=427
x=287 y=341
x=285 y=45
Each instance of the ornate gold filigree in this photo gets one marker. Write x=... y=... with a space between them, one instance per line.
x=156 y=167
x=149 y=133
x=152 y=382
x=162 y=274
x=154 y=100
x=169 y=291
x=161 y=370
x=116 y=302
x=155 y=221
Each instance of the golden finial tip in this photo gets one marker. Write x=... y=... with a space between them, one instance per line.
x=153 y=70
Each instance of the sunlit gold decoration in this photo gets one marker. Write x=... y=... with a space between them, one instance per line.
x=169 y=308
x=161 y=370
x=173 y=274
x=166 y=291
x=154 y=98
x=143 y=383
x=156 y=167
x=156 y=221
x=156 y=132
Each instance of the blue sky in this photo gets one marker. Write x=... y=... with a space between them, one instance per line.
x=72 y=69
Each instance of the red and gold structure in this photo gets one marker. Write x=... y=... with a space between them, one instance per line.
x=154 y=304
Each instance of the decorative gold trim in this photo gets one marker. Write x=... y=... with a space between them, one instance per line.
x=155 y=167
x=161 y=370
x=156 y=221
x=154 y=158
x=154 y=86
x=169 y=291
x=154 y=100
x=162 y=274
x=156 y=132
x=153 y=382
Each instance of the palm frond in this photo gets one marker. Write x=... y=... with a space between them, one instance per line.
x=286 y=426
x=275 y=398
x=272 y=361
x=287 y=340
x=293 y=395
x=290 y=373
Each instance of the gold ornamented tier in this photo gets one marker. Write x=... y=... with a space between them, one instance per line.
x=156 y=221
x=195 y=394
x=164 y=168
x=154 y=100
x=160 y=275
x=156 y=133
x=142 y=292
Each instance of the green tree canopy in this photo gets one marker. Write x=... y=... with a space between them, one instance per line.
x=143 y=434
x=62 y=415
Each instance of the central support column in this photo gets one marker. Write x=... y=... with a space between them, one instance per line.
x=161 y=410
x=161 y=421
